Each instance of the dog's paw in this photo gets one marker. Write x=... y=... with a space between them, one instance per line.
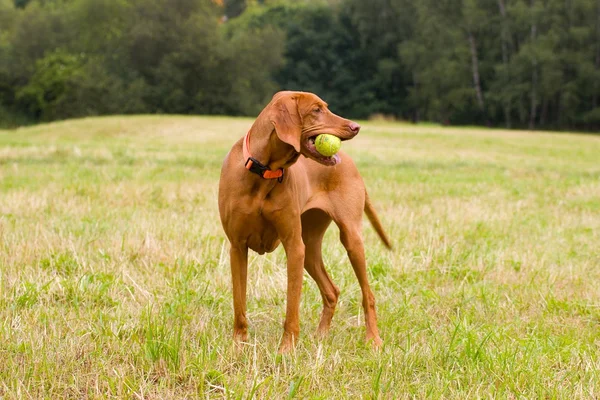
x=240 y=339
x=287 y=345
x=375 y=342
x=322 y=332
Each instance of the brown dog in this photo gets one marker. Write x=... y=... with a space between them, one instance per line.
x=268 y=195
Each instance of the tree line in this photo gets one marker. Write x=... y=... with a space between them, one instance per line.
x=506 y=63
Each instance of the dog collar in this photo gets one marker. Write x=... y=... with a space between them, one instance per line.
x=255 y=166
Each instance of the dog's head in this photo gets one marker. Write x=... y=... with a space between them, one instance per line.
x=299 y=117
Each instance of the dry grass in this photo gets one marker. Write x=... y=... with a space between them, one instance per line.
x=114 y=278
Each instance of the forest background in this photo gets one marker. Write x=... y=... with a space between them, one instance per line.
x=505 y=63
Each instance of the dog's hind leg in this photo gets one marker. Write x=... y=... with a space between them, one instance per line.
x=314 y=225
x=351 y=237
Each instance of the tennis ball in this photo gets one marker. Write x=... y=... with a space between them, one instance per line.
x=328 y=145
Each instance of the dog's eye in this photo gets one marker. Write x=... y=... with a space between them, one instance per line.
x=317 y=110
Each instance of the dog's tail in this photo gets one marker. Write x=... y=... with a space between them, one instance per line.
x=372 y=215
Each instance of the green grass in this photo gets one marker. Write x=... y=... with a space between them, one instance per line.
x=114 y=275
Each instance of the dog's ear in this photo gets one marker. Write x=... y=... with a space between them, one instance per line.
x=286 y=119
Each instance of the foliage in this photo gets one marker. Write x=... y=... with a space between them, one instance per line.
x=513 y=63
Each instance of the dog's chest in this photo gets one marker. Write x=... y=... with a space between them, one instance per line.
x=247 y=223
x=262 y=236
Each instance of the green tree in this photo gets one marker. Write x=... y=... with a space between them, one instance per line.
x=441 y=61
x=49 y=93
x=516 y=63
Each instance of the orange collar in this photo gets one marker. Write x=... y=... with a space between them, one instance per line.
x=255 y=166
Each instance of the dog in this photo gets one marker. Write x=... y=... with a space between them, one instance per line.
x=276 y=188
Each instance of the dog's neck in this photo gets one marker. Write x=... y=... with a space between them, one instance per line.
x=266 y=147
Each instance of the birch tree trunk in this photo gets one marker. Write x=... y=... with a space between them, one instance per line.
x=534 y=73
x=597 y=86
x=475 y=66
x=417 y=108
x=504 y=38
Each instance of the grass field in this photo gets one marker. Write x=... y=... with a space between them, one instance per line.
x=114 y=274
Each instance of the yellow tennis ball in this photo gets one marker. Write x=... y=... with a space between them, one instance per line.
x=328 y=145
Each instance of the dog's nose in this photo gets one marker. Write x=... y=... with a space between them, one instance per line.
x=354 y=127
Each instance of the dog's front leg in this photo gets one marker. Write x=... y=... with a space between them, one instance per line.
x=290 y=233
x=239 y=270
x=295 y=271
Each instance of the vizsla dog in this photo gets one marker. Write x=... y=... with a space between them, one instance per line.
x=268 y=195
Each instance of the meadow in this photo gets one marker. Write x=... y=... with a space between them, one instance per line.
x=114 y=274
